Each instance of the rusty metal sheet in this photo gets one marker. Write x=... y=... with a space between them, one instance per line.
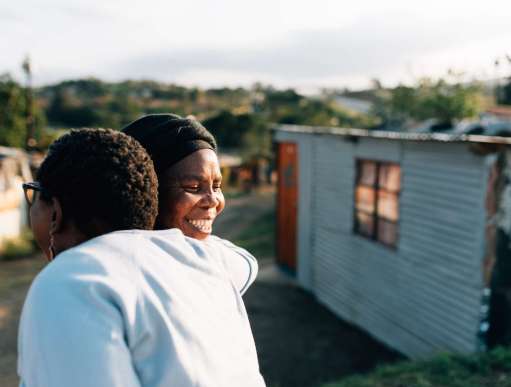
x=287 y=199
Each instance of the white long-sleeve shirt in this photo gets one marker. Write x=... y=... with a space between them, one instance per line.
x=140 y=308
x=240 y=264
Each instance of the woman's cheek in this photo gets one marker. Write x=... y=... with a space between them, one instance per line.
x=221 y=201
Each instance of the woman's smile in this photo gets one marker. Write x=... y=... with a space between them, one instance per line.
x=202 y=225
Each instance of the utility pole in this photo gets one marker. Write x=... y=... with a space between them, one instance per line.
x=497 y=80
x=29 y=111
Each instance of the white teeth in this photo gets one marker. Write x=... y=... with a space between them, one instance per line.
x=203 y=225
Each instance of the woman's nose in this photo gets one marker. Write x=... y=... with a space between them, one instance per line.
x=210 y=198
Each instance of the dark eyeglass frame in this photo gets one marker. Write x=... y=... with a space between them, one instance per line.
x=32 y=186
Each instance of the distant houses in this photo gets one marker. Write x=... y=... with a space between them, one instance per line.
x=354 y=104
x=501 y=112
x=407 y=235
x=14 y=170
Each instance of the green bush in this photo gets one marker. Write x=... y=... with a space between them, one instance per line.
x=18 y=247
x=491 y=369
x=259 y=239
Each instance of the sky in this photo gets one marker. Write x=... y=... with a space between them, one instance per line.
x=287 y=43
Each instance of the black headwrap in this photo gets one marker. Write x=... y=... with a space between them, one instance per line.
x=169 y=138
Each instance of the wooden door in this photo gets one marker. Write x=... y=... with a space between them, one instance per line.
x=287 y=203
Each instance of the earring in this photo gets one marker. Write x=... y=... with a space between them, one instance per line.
x=51 y=248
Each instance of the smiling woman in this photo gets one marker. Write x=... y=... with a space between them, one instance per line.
x=190 y=194
x=185 y=160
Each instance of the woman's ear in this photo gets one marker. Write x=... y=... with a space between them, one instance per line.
x=57 y=220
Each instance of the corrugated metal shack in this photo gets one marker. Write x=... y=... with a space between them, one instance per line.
x=402 y=234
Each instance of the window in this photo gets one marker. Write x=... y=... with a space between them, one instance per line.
x=377 y=201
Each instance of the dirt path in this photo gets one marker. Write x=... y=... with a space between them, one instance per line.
x=240 y=213
x=15 y=278
x=300 y=343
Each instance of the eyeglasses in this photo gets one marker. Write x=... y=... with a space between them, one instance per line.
x=30 y=190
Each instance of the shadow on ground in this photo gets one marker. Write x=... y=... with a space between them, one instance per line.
x=301 y=343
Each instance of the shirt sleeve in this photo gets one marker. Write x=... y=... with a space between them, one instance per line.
x=72 y=334
x=241 y=266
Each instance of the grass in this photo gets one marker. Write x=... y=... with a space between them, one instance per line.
x=233 y=192
x=259 y=238
x=21 y=246
x=10 y=282
x=491 y=369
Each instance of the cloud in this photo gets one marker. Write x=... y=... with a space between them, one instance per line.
x=373 y=45
x=112 y=40
x=9 y=15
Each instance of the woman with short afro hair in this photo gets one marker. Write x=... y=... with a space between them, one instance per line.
x=95 y=181
x=120 y=305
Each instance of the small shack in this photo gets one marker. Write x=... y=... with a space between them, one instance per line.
x=14 y=170
x=406 y=235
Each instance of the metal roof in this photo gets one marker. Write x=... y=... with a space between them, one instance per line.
x=388 y=135
x=229 y=160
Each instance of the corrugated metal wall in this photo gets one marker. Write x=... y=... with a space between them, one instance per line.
x=424 y=296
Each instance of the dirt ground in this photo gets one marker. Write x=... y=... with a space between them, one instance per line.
x=302 y=344
x=299 y=342
x=15 y=278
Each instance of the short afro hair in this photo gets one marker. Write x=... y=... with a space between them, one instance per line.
x=101 y=177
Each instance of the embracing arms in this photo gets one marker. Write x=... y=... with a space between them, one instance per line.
x=239 y=263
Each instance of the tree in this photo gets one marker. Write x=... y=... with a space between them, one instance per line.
x=67 y=110
x=446 y=100
x=504 y=93
x=120 y=112
x=13 y=118
x=12 y=113
x=228 y=128
x=249 y=133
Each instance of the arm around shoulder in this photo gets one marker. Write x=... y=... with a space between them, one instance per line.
x=239 y=263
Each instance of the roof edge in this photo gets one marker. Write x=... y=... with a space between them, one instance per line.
x=388 y=135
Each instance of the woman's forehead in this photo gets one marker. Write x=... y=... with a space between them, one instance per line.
x=201 y=165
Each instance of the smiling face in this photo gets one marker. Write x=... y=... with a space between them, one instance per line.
x=191 y=195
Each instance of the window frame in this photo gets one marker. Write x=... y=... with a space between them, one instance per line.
x=376 y=188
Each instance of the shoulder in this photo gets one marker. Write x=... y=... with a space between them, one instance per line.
x=241 y=266
x=91 y=279
x=230 y=250
x=79 y=310
x=104 y=262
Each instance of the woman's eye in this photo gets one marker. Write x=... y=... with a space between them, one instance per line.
x=191 y=188
x=217 y=187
